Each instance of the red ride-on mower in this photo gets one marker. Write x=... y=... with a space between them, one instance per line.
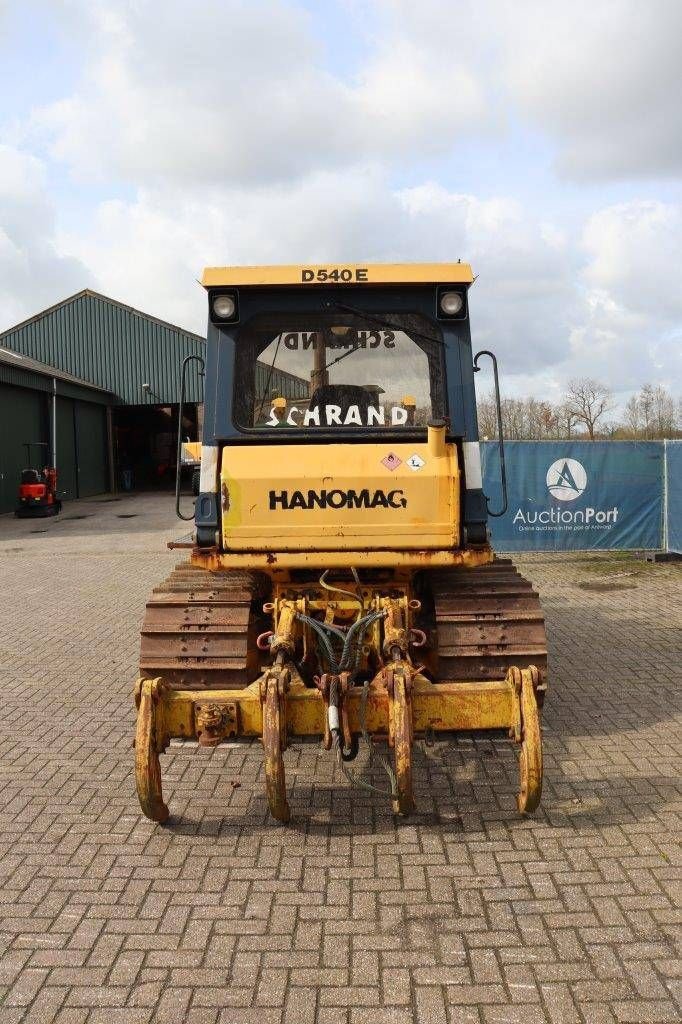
x=38 y=489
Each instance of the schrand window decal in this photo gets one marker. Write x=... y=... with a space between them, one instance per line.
x=334 y=416
x=301 y=341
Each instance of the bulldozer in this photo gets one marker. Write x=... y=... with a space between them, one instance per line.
x=340 y=581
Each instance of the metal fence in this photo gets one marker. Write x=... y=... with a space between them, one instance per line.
x=585 y=495
x=672 y=497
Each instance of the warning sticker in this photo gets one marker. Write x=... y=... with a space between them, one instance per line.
x=415 y=462
x=391 y=461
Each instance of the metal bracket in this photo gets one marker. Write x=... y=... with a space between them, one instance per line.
x=215 y=721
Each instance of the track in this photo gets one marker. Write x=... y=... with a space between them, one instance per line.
x=199 y=630
x=485 y=620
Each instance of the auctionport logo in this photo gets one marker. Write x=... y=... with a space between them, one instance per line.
x=566 y=479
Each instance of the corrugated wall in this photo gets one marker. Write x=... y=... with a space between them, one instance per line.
x=280 y=382
x=39 y=382
x=113 y=347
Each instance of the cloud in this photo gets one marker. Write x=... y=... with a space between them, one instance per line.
x=601 y=80
x=235 y=138
x=631 y=331
x=33 y=272
x=634 y=249
x=240 y=94
x=527 y=280
x=243 y=92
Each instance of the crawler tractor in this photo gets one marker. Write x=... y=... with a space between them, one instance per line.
x=341 y=581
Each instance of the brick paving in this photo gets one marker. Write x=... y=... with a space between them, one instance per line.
x=463 y=913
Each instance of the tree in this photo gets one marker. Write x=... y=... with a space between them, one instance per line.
x=651 y=413
x=587 y=400
x=646 y=408
x=633 y=415
x=487 y=417
x=664 y=413
x=565 y=421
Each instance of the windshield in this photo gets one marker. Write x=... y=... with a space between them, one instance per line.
x=339 y=370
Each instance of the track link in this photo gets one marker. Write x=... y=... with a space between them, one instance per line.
x=485 y=621
x=200 y=628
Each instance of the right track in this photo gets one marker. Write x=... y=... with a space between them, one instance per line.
x=486 y=620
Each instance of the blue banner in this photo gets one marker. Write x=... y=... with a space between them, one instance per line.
x=576 y=495
x=673 y=464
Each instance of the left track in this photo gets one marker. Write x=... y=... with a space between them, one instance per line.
x=200 y=628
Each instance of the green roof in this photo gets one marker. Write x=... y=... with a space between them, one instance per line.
x=110 y=346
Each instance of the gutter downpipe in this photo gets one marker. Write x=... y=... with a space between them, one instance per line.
x=54 y=422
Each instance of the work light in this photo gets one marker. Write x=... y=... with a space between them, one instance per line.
x=224 y=307
x=451 y=303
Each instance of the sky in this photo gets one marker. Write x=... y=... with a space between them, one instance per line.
x=538 y=140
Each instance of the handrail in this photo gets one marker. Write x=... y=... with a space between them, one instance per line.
x=178 y=462
x=500 y=441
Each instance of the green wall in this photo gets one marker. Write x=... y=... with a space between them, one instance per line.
x=112 y=346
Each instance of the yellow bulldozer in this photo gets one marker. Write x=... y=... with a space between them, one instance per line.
x=341 y=582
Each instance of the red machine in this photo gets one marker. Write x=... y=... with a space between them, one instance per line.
x=38 y=489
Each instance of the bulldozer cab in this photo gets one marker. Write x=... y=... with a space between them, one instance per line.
x=340 y=406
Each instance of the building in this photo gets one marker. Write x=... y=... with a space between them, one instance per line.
x=96 y=384
x=99 y=381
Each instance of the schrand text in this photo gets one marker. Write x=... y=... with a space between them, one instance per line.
x=333 y=416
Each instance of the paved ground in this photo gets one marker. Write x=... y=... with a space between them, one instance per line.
x=463 y=914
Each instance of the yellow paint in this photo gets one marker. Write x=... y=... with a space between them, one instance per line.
x=277 y=563
x=360 y=273
x=150 y=738
x=524 y=681
x=190 y=452
x=429 y=519
x=443 y=707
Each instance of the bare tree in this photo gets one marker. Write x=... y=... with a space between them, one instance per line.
x=645 y=398
x=587 y=400
x=633 y=415
x=651 y=413
x=487 y=417
x=663 y=413
x=566 y=421
x=513 y=419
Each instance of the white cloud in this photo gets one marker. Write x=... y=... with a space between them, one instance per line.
x=630 y=331
x=602 y=80
x=239 y=94
x=550 y=308
x=33 y=272
x=240 y=145
x=527 y=283
x=635 y=252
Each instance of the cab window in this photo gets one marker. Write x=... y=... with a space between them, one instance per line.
x=338 y=372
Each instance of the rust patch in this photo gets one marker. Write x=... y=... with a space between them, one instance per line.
x=224 y=497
